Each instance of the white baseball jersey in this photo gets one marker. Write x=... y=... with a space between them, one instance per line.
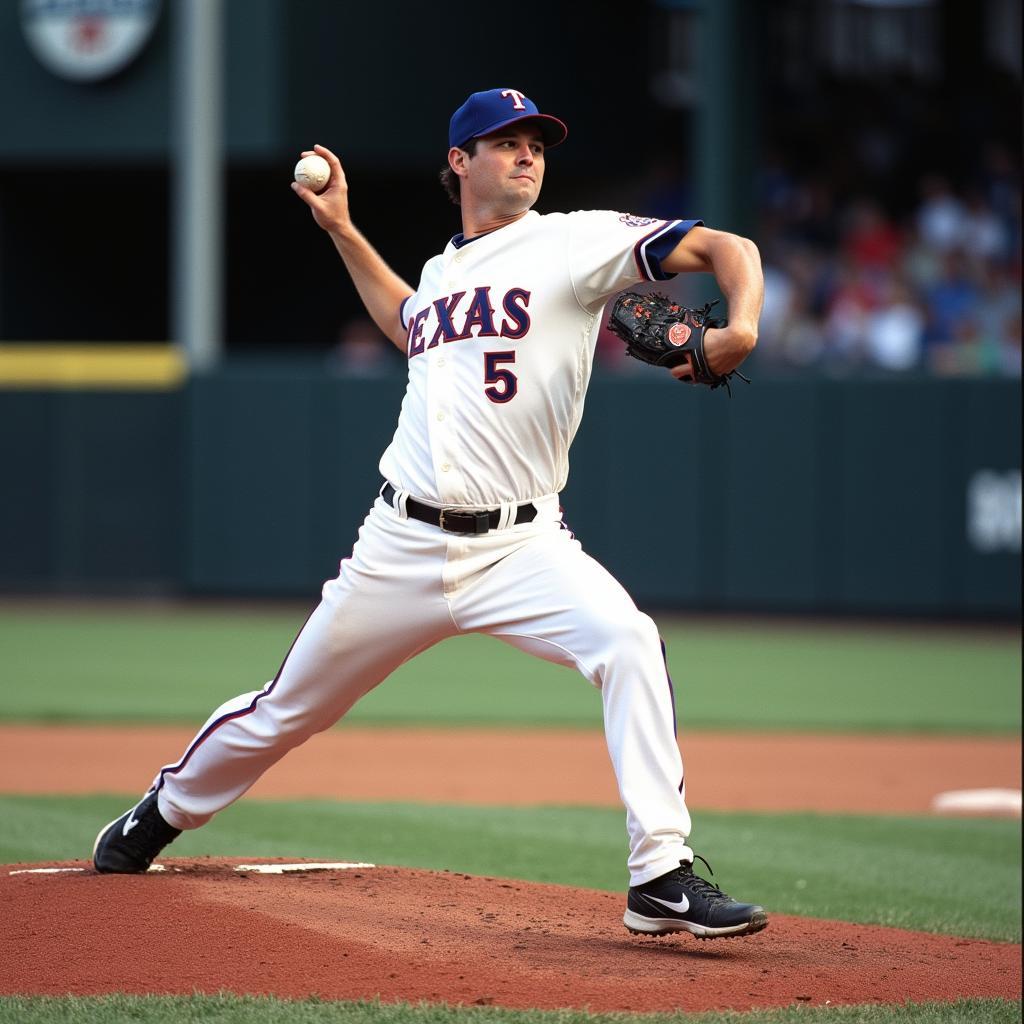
x=500 y=342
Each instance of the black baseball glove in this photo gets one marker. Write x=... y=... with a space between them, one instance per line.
x=658 y=331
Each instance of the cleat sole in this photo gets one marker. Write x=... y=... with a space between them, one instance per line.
x=656 y=928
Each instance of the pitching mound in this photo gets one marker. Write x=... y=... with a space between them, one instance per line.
x=414 y=935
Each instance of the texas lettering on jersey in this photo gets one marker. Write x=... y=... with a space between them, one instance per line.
x=460 y=316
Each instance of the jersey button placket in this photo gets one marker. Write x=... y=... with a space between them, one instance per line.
x=442 y=371
x=444 y=435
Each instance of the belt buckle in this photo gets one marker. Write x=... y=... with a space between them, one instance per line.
x=480 y=521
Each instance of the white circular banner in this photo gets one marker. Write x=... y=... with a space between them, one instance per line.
x=86 y=40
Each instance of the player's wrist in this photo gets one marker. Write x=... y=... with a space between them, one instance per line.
x=726 y=347
x=737 y=336
x=744 y=327
x=342 y=230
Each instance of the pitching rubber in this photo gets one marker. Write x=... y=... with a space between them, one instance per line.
x=654 y=926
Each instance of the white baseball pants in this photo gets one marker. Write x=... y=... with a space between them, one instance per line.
x=408 y=585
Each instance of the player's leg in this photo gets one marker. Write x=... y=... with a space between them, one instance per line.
x=552 y=600
x=385 y=606
x=345 y=648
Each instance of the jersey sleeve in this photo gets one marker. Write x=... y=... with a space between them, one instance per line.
x=609 y=251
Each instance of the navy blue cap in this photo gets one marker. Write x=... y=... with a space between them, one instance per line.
x=486 y=112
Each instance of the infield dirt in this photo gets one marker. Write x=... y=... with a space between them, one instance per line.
x=411 y=935
x=725 y=771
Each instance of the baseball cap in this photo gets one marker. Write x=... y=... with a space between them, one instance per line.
x=486 y=112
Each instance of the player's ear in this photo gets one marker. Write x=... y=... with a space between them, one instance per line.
x=457 y=160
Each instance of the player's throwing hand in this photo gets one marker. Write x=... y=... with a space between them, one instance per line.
x=329 y=207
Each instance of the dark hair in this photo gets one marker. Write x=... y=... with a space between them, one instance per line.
x=450 y=180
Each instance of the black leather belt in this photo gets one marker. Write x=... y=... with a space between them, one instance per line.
x=455 y=520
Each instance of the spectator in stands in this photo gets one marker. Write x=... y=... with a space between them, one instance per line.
x=869 y=238
x=894 y=334
x=952 y=300
x=940 y=218
x=846 y=322
x=985 y=237
x=362 y=351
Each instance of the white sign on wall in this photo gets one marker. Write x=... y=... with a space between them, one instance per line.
x=993 y=510
x=87 y=40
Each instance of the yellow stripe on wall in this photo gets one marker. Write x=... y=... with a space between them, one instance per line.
x=156 y=367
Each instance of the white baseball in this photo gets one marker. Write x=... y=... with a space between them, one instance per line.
x=313 y=172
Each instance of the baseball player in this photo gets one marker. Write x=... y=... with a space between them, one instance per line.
x=466 y=534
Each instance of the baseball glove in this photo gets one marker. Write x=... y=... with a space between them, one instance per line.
x=658 y=331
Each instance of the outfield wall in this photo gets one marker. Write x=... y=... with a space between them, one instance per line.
x=855 y=496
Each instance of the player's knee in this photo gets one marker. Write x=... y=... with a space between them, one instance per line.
x=236 y=706
x=286 y=723
x=639 y=635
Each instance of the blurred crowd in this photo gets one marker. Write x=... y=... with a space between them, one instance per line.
x=931 y=287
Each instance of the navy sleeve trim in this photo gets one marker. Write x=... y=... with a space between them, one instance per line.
x=401 y=310
x=654 y=247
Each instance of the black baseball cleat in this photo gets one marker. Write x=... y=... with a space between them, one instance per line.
x=128 y=845
x=681 y=901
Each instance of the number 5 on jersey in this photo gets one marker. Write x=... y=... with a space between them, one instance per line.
x=504 y=383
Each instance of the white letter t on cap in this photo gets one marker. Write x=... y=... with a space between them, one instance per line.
x=517 y=103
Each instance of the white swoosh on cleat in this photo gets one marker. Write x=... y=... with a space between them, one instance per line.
x=130 y=823
x=680 y=908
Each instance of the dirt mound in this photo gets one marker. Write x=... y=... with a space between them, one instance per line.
x=404 y=934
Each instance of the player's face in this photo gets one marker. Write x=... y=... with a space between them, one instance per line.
x=508 y=168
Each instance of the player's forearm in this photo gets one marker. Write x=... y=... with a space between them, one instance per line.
x=380 y=288
x=736 y=264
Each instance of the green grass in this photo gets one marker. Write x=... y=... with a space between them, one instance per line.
x=228 y=1009
x=953 y=876
x=176 y=663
